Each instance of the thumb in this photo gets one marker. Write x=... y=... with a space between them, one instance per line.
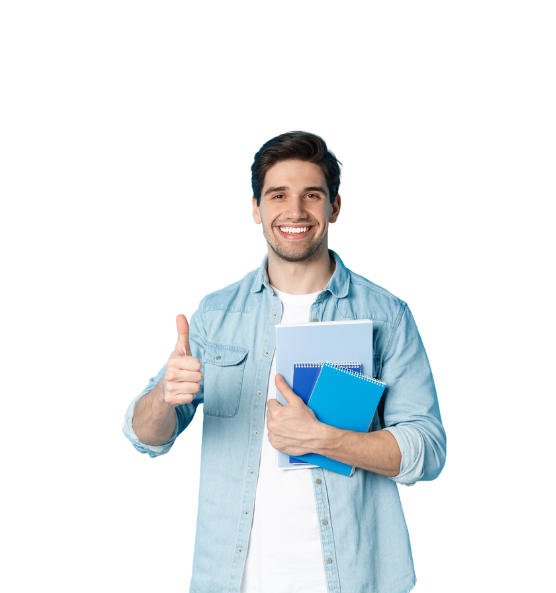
x=183 y=335
x=284 y=389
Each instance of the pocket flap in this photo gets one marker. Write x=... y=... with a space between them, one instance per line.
x=222 y=355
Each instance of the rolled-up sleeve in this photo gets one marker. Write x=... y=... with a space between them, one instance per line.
x=411 y=410
x=151 y=451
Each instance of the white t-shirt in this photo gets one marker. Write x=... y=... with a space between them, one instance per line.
x=284 y=554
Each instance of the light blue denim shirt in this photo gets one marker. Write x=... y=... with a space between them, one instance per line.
x=365 y=543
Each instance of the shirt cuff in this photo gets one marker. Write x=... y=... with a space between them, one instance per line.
x=412 y=447
x=151 y=451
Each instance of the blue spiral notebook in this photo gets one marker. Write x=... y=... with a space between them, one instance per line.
x=346 y=400
x=305 y=375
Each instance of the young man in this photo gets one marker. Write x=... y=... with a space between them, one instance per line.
x=265 y=530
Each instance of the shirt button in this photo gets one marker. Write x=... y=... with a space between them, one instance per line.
x=259 y=392
x=274 y=315
x=324 y=522
x=318 y=480
x=218 y=357
x=328 y=560
x=315 y=320
x=266 y=353
x=255 y=432
x=239 y=550
x=251 y=471
x=245 y=512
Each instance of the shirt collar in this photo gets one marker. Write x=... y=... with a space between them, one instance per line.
x=338 y=284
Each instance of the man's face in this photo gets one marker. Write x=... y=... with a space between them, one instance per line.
x=295 y=209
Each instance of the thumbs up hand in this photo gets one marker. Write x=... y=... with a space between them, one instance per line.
x=183 y=371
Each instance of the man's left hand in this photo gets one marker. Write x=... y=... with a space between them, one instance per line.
x=293 y=429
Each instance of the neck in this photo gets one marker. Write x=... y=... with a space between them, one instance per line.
x=303 y=277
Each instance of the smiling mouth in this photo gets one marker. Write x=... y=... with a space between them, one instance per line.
x=293 y=232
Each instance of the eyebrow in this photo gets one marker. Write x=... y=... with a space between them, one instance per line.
x=285 y=188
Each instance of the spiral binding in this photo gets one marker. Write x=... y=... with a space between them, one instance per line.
x=358 y=375
x=305 y=365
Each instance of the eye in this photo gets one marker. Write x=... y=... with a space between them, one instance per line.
x=281 y=196
x=313 y=196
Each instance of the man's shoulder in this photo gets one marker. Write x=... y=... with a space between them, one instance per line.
x=234 y=298
x=377 y=291
x=371 y=301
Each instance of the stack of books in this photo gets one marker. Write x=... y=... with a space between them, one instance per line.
x=338 y=392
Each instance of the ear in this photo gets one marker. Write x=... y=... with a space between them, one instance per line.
x=256 y=212
x=336 y=209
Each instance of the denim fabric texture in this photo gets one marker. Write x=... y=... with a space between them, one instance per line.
x=365 y=542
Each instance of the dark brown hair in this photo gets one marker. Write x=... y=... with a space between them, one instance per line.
x=301 y=146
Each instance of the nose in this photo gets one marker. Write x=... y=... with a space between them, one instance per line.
x=295 y=209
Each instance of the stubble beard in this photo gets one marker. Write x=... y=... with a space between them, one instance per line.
x=294 y=252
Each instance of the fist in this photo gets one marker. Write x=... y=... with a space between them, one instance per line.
x=183 y=371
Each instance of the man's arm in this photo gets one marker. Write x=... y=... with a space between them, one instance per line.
x=154 y=420
x=374 y=451
x=154 y=417
x=295 y=430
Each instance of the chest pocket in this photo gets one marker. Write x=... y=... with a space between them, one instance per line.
x=223 y=379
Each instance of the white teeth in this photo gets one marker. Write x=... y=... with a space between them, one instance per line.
x=294 y=230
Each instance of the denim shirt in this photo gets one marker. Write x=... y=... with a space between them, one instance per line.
x=365 y=543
